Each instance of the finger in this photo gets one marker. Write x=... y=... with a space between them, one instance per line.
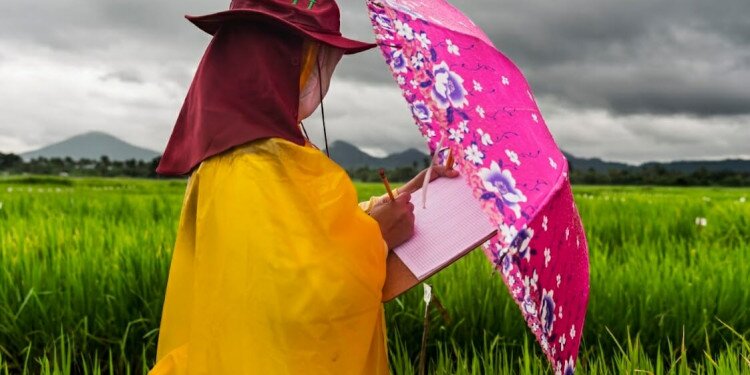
x=405 y=189
x=410 y=207
x=451 y=173
x=443 y=171
x=382 y=200
x=404 y=197
x=437 y=172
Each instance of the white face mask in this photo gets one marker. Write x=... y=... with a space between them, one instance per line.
x=309 y=97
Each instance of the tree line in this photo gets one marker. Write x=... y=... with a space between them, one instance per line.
x=656 y=175
x=103 y=167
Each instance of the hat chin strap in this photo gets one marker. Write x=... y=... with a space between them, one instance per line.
x=322 y=111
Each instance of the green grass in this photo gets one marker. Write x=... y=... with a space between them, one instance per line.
x=83 y=267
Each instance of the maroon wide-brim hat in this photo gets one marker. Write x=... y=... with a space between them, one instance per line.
x=319 y=20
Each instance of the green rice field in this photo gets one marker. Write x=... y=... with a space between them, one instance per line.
x=84 y=262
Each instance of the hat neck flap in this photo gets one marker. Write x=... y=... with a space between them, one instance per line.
x=246 y=88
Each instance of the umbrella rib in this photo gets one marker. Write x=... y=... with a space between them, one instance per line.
x=390 y=45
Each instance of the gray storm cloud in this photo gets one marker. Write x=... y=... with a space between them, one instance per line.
x=631 y=57
x=624 y=80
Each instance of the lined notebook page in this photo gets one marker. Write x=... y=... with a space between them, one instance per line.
x=452 y=225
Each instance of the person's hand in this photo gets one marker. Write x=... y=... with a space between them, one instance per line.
x=437 y=172
x=396 y=220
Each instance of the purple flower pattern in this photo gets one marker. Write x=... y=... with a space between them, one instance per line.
x=421 y=111
x=507 y=156
x=448 y=89
x=398 y=63
x=548 y=311
x=503 y=185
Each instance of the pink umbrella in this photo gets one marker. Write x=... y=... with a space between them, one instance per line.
x=466 y=95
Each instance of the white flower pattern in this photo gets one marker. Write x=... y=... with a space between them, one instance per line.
x=474 y=154
x=463 y=126
x=477 y=86
x=455 y=135
x=452 y=48
x=417 y=61
x=562 y=340
x=513 y=157
x=404 y=30
x=485 y=138
x=480 y=111
x=424 y=41
x=507 y=233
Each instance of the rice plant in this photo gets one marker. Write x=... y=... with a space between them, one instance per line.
x=84 y=262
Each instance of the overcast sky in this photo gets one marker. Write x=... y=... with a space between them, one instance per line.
x=622 y=80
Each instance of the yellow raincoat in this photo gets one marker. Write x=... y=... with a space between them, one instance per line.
x=276 y=270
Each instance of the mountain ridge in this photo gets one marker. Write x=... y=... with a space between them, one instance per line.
x=95 y=144
x=351 y=157
x=92 y=145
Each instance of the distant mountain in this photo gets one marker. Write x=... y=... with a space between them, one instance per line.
x=599 y=165
x=688 y=166
x=92 y=145
x=684 y=166
x=351 y=157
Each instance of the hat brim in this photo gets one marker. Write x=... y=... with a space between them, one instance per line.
x=211 y=23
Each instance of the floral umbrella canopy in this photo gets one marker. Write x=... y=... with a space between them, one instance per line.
x=466 y=95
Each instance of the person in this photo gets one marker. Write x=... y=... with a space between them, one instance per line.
x=276 y=268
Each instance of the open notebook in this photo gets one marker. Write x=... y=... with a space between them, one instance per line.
x=451 y=225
